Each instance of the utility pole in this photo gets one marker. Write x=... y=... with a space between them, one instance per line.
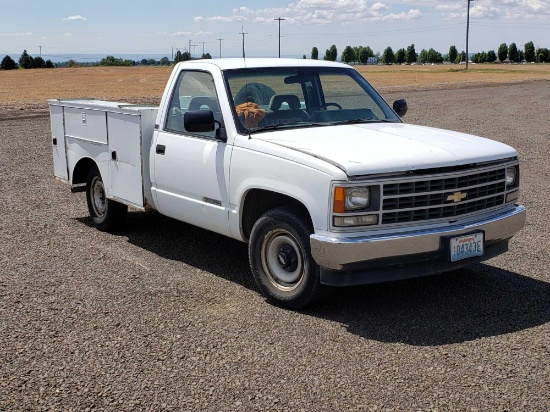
x=279 y=19
x=243 y=33
x=190 y=48
x=467 y=32
x=172 y=53
x=40 y=51
x=203 y=43
x=220 y=47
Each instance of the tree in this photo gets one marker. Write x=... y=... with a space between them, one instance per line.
x=151 y=62
x=206 y=56
x=185 y=56
x=362 y=54
x=49 y=64
x=388 y=57
x=72 y=63
x=542 y=55
x=400 y=56
x=423 y=56
x=178 y=57
x=39 y=63
x=434 y=56
x=491 y=56
x=348 y=55
x=502 y=52
x=411 y=54
x=315 y=53
x=512 y=52
x=165 y=61
x=453 y=54
x=304 y=56
x=331 y=54
x=8 y=63
x=529 y=51
x=26 y=61
x=144 y=62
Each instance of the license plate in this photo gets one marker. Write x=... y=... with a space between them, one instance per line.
x=464 y=247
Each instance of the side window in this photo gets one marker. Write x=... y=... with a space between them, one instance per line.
x=193 y=91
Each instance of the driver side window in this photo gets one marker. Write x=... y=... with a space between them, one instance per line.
x=194 y=91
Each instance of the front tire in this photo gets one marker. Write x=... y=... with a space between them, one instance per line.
x=107 y=215
x=281 y=261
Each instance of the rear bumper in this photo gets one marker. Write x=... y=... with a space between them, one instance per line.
x=336 y=255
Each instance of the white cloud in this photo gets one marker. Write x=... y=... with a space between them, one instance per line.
x=68 y=35
x=75 y=18
x=318 y=12
x=184 y=33
x=449 y=7
x=480 y=11
x=16 y=34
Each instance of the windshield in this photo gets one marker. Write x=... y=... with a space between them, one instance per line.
x=274 y=98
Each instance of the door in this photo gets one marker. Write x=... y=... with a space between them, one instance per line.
x=58 y=142
x=125 y=158
x=192 y=169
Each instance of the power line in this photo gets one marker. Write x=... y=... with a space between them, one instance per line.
x=280 y=19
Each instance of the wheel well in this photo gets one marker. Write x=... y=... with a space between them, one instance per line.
x=259 y=201
x=80 y=172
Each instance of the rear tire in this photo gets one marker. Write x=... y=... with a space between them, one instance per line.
x=107 y=215
x=281 y=261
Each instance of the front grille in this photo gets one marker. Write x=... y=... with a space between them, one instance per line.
x=428 y=199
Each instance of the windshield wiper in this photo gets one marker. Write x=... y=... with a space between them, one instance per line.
x=286 y=125
x=364 y=120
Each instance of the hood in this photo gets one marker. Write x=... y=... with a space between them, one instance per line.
x=388 y=147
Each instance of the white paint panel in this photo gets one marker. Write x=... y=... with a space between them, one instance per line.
x=191 y=170
x=86 y=124
x=125 y=142
x=78 y=149
x=58 y=143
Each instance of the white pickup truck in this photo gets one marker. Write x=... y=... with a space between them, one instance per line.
x=303 y=160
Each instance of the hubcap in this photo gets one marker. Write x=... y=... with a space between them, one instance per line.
x=282 y=260
x=99 y=202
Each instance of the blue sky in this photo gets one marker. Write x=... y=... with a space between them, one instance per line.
x=154 y=27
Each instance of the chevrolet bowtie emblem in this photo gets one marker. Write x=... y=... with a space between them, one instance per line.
x=456 y=197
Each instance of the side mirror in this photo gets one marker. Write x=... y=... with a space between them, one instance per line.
x=400 y=107
x=199 y=121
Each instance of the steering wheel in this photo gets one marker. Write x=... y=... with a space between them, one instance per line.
x=324 y=106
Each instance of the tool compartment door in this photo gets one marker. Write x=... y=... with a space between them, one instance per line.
x=125 y=165
x=60 y=169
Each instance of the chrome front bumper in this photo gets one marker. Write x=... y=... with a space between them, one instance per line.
x=338 y=253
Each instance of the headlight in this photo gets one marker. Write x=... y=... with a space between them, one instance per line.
x=510 y=176
x=357 y=198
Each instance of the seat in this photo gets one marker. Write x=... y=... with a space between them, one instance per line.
x=293 y=114
x=197 y=103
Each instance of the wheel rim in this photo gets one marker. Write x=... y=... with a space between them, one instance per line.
x=97 y=193
x=282 y=260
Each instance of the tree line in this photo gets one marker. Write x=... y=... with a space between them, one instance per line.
x=26 y=61
x=365 y=55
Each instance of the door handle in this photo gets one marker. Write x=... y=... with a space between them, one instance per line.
x=161 y=149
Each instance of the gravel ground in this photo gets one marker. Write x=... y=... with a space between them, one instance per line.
x=166 y=316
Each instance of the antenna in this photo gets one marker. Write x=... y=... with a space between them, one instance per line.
x=280 y=19
x=243 y=33
x=220 y=47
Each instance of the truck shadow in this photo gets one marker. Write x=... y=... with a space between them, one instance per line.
x=469 y=304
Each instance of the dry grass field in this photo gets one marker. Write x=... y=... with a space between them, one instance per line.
x=25 y=92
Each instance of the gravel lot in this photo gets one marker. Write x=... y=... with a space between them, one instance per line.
x=166 y=316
